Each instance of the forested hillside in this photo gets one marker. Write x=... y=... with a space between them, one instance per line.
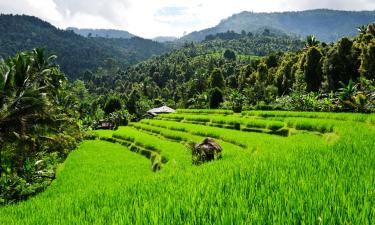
x=106 y=33
x=172 y=75
x=326 y=25
x=224 y=72
x=76 y=54
x=163 y=39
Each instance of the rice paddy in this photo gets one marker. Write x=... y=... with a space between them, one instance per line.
x=277 y=168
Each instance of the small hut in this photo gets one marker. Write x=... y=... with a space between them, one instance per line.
x=161 y=110
x=206 y=151
x=105 y=124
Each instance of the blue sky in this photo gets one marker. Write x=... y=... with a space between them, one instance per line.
x=150 y=18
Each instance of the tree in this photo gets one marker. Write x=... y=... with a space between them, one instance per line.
x=362 y=29
x=217 y=79
x=272 y=61
x=312 y=69
x=80 y=96
x=113 y=104
x=131 y=103
x=311 y=41
x=367 y=67
x=342 y=63
x=216 y=98
x=266 y=32
x=243 y=78
x=371 y=29
x=237 y=99
x=262 y=73
x=30 y=85
x=284 y=75
x=229 y=55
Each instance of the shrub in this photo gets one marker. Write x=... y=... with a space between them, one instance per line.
x=113 y=104
x=216 y=98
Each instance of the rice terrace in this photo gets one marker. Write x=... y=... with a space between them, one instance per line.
x=188 y=112
x=277 y=168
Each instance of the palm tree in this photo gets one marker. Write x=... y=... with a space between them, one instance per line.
x=311 y=41
x=29 y=84
x=362 y=29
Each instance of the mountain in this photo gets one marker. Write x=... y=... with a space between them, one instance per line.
x=76 y=53
x=106 y=33
x=163 y=39
x=326 y=25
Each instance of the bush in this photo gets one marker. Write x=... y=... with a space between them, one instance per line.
x=216 y=98
x=229 y=54
x=113 y=104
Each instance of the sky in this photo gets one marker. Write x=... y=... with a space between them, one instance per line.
x=151 y=18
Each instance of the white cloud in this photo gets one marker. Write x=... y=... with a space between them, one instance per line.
x=149 y=18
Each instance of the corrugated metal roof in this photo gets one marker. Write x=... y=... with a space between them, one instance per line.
x=163 y=109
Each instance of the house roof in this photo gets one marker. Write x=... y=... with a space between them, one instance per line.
x=163 y=109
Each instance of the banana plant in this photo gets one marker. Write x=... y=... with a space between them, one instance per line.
x=352 y=97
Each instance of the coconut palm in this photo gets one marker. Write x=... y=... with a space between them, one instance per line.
x=29 y=83
x=311 y=41
x=362 y=29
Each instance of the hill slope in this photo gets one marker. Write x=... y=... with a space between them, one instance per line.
x=75 y=53
x=327 y=25
x=192 y=61
x=106 y=33
x=164 y=39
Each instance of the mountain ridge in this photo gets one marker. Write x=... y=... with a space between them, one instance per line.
x=76 y=54
x=326 y=24
x=106 y=33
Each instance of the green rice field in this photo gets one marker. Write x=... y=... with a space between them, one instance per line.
x=277 y=168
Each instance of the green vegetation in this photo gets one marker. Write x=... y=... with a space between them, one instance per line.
x=305 y=177
x=216 y=74
x=76 y=53
x=36 y=130
x=106 y=33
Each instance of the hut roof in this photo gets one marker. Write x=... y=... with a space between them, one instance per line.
x=163 y=109
x=209 y=143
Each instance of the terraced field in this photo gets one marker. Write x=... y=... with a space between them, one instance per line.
x=277 y=168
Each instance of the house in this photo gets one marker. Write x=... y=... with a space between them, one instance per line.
x=161 y=110
x=105 y=124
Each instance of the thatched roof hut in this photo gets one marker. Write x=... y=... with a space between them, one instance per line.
x=208 y=150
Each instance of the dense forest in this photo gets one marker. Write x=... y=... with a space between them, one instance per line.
x=326 y=25
x=111 y=33
x=76 y=53
x=106 y=33
x=171 y=78
x=223 y=72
